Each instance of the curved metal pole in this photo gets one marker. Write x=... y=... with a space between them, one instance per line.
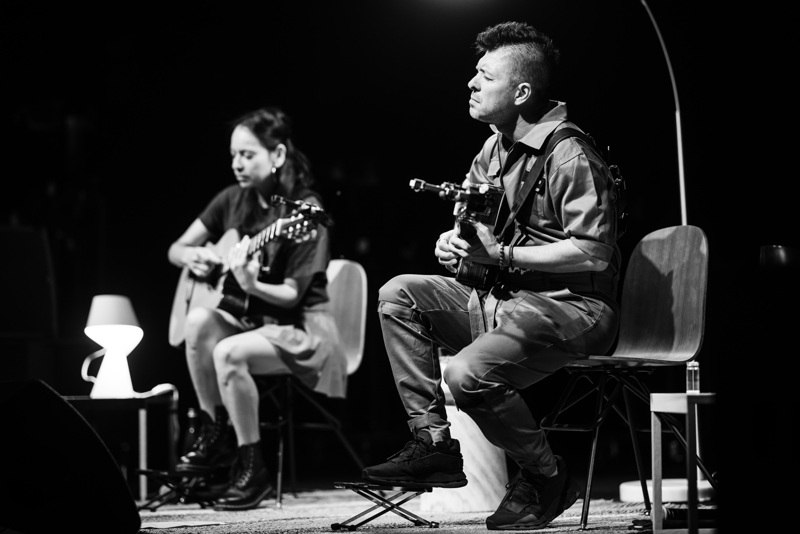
x=681 y=180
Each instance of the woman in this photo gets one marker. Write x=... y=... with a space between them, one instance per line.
x=272 y=317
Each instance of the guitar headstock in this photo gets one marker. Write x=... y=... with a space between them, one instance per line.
x=308 y=210
x=298 y=227
x=480 y=202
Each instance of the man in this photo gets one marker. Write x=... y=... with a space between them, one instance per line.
x=555 y=298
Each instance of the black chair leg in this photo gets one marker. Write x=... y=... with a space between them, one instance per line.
x=588 y=492
x=282 y=394
x=279 y=474
x=333 y=424
x=290 y=421
x=598 y=417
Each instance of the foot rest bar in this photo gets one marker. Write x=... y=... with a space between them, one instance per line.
x=384 y=504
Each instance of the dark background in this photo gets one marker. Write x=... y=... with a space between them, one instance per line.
x=115 y=133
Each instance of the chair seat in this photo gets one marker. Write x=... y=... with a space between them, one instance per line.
x=618 y=362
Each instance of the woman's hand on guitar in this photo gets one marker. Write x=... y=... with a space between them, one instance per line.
x=244 y=267
x=202 y=260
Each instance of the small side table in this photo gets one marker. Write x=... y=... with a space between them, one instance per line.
x=162 y=394
x=678 y=403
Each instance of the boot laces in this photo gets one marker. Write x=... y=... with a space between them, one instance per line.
x=209 y=435
x=242 y=472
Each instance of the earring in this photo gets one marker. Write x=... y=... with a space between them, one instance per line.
x=274 y=170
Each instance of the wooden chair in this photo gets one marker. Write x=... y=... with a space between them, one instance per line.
x=347 y=290
x=662 y=324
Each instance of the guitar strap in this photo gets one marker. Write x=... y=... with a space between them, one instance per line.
x=535 y=180
x=480 y=321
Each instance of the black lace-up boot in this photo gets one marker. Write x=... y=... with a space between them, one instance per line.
x=214 y=448
x=250 y=481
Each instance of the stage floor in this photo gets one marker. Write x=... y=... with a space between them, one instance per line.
x=318 y=510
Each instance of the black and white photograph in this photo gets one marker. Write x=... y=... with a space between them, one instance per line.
x=396 y=265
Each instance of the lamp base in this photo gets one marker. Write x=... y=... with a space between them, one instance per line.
x=113 y=379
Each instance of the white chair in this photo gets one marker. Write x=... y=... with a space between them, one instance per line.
x=347 y=290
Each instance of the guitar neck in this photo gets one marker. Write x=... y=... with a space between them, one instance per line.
x=258 y=241
x=291 y=228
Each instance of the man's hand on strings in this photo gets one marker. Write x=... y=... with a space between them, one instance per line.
x=482 y=248
x=445 y=253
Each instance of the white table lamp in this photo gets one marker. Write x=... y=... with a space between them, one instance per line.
x=112 y=324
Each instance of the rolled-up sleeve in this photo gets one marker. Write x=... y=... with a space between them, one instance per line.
x=581 y=200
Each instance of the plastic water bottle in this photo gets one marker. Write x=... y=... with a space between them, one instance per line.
x=693 y=377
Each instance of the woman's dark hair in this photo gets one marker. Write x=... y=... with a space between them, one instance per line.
x=271 y=126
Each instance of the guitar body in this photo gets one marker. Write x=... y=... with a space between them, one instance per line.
x=193 y=292
x=208 y=293
x=479 y=275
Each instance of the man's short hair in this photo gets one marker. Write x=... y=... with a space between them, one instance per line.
x=535 y=56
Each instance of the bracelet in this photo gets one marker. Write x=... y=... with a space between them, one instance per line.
x=502 y=261
x=511 y=257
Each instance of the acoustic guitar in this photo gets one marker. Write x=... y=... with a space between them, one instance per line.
x=478 y=203
x=208 y=291
x=477 y=275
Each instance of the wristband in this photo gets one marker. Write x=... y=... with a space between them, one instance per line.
x=502 y=261
x=511 y=257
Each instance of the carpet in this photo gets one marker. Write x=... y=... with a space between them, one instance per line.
x=316 y=511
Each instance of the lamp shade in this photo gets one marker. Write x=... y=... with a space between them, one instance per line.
x=111 y=309
x=112 y=324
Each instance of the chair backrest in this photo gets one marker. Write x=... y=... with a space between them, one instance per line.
x=347 y=289
x=664 y=297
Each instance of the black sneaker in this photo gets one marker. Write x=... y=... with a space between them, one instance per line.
x=533 y=501
x=421 y=464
